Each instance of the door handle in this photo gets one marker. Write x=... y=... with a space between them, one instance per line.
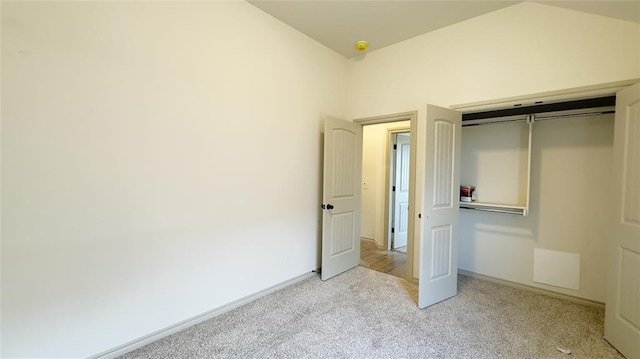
x=330 y=206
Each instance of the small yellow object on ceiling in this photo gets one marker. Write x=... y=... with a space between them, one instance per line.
x=361 y=45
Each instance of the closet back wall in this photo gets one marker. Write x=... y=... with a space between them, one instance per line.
x=523 y=49
x=569 y=210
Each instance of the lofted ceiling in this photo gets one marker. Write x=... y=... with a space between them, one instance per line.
x=338 y=24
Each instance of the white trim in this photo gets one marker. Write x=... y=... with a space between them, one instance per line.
x=571 y=298
x=531 y=120
x=576 y=93
x=369 y=239
x=396 y=117
x=157 y=335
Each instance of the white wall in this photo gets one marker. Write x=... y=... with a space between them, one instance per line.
x=494 y=159
x=374 y=167
x=159 y=160
x=523 y=49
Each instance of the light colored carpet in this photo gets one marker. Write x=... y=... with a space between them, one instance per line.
x=365 y=314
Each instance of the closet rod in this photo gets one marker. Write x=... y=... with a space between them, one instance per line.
x=497 y=210
x=542 y=116
x=491 y=121
x=519 y=110
x=582 y=114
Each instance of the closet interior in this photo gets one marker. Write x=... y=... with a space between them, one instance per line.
x=498 y=163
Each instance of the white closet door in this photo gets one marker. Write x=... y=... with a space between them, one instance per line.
x=341 y=197
x=622 y=319
x=439 y=223
x=401 y=194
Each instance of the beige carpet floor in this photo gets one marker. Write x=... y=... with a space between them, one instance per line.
x=365 y=314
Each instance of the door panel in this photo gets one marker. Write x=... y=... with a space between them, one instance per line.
x=441 y=251
x=401 y=194
x=622 y=316
x=342 y=233
x=439 y=242
x=444 y=161
x=341 y=197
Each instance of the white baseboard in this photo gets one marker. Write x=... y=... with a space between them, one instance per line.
x=380 y=246
x=150 y=338
x=529 y=288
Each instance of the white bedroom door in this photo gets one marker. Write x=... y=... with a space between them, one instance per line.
x=622 y=315
x=439 y=218
x=341 y=197
x=401 y=191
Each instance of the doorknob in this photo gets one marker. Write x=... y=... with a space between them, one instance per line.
x=329 y=206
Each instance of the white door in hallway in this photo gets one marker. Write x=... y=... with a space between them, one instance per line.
x=401 y=192
x=439 y=218
x=341 y=197
x=622 y=319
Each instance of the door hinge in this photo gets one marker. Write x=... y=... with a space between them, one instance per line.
x=393 y=230
x=395 y=147
x=394 y=189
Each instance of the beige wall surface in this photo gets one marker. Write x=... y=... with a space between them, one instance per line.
x=159 y=160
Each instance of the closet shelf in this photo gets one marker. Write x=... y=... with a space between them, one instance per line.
x=495 y=207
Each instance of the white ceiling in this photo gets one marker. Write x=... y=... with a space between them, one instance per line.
x=338 y=24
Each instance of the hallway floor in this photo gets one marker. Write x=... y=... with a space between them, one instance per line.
x=374 y=257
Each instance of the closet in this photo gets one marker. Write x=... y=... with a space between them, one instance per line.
x=569 y=170
x=498 y=162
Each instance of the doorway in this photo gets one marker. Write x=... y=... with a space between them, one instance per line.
x=342 y=205
x=386 y=180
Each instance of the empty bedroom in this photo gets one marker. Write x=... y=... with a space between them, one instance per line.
x=191 y=179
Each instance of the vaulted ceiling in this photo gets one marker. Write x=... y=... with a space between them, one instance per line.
x=338 y=24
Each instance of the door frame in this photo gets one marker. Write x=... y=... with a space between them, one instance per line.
x=390 y=170
x=412 y=117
